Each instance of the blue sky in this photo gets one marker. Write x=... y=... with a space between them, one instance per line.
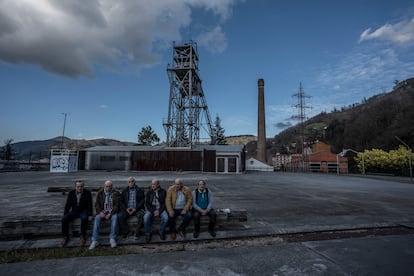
x=104 y=62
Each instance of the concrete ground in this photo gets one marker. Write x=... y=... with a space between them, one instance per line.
x=298 y=224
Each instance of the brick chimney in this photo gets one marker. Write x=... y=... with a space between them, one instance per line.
x=261 y=124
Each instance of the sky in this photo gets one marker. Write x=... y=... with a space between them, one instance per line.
x=103 y=63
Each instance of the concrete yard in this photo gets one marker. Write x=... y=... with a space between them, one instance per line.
x=297 y=224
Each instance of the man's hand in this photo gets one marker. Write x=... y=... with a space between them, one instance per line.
x=108 y=216
x=183 y=212
x=130 y=211
x=90 y=218
x=204 y=212
x=102 y=214
x=171 y=214
x=156 y=213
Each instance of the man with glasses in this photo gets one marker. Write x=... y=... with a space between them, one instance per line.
x=107 y=207
x=132 y=204
x=78 y=205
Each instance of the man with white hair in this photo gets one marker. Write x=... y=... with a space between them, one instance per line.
x=107 y=207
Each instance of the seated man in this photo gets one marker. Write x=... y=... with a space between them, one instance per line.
x=203 y=206
x=107 y=207
x=132 y=204
x=178 y=203
x=155 y=207
x=78 y=205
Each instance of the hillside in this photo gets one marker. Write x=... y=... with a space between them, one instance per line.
x=374 y=123
x=35 y=150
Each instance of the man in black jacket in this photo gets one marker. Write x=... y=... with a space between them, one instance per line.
x=132 y=204
x=78 y=205
x=155 y=207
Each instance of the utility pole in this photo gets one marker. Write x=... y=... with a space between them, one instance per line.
x=64 y=125
x=301 y=106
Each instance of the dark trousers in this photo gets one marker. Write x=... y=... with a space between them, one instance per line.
x=123 y=221
x=211 y=223
x=184 y=223
x=67 y=218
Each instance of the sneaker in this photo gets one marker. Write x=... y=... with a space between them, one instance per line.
x=181 y=233
x=64 y=242
x=147 y=238
x=93 y=245
x=125 y=235
x=196 y=234
x=136 y=237
x=173 y=236
x=112 y=242
x=162 y=236
x=82 y=241
x=212 y=233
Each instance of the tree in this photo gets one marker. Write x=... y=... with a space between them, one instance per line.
x=8 y=149
x=218 y=133
x=147 y=136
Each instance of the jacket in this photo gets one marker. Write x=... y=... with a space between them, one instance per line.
x=210 y=200
x=100 y=201
x=85 y=202
x=172 y=197
x=162 y=194
x=139 y=198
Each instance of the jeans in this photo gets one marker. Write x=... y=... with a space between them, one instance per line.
x=211 y=223
x=123 y=224
x=97 y=223
x=148 y=220
x=184 y=223
x=67 y=218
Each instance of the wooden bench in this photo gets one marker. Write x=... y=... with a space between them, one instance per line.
x=47 y=226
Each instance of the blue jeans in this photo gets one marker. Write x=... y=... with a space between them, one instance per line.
x=148 y=220
x=184 y=223
x=97 y=223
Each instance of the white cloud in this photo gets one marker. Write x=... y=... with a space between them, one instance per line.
x=72 y=37
x=103 y=106
x=215 y=40
x=399 y=33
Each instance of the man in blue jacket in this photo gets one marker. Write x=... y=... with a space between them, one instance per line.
x=203 y=203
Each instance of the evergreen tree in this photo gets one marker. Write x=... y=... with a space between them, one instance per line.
x=147 y=136
x=218 y=133
x=8 y=149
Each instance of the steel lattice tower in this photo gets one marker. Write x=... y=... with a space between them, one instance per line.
x=187 y=110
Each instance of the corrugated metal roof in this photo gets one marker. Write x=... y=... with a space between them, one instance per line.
x=221 y=148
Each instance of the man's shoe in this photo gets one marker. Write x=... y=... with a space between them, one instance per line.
x=212 y=233
x=196 y=234
x=181 y=233
x=125 y=235
x=82 y=241
x=147 y=238
x=136 y=237
x=65 y=241
x=162 y=236
x=93 y=245
x=173 y=236
x=112 y=242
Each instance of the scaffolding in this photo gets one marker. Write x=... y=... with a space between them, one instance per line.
x=187 y=110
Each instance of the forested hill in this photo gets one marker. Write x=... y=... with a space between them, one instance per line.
x=372 y=124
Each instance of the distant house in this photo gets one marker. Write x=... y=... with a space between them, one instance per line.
x=319 y=159
x=204 y=158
